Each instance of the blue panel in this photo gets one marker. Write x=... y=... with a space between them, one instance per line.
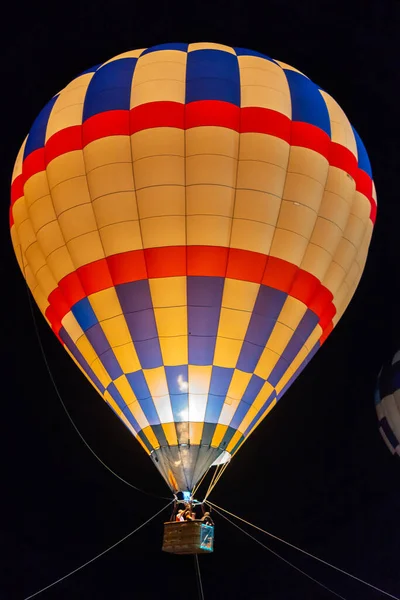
x=259 y=329
x=204 y=291
x=307 y=325
x=177 y=378
x=269 y=302
x=213 y=409
x=208 y=433
x=111 y=364
x=37 y=134
x=212 y=75
x=98 y=340
x=91 y=70
x=280 y=369
x=249 y=356
x=180 y=407
x=230 y=432
x=308 y=106
x=134 y=296
x=116 y=396
x=138 y=384
x=254 y=386
x=389 y=433
x=261 y=412
x=110 y=88
x=239 y=415
x=201 y=350
x=142 y=325
x=149 y=353
x=131 y=419
x=203 y=320
x=84 y=314
x=246 y=52
x=174 y=46
x=220 y=380
x=363 y=159
x=150 y=411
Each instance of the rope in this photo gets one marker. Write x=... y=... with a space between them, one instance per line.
x=279 y=556
x=66 y=410
x=213 y=482
x=324 y=562
x=199 y=484
x=199 y=584
x=98 y=555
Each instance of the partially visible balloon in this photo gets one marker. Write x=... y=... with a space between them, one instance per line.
x=387 y=400
x=192 y=220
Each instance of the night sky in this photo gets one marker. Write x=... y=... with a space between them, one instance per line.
x=316 y=472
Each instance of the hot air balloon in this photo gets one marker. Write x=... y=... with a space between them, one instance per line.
x=192 y=221
x=387 y=401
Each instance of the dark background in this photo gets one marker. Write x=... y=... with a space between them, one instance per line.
x=316 y=472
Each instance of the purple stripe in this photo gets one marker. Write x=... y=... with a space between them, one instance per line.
x=134 y=296
x=149 y=353
x=201 y=350
x=111 y=364
x=204 y=291
x=97 y=338
x=142 y=325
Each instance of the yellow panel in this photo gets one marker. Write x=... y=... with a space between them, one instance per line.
x=267 y=362
x=341 y=131
x=219 y=433
x=279 y=338
x=228 y=410
x=157 y=141
x=156 y=381
x=171 y=321
x=107 y=150
x=340 y=183
x=100 y=372
x=284 y=379
x=17 y=170
x=262 y=396
x=251 y=413
x=303 y=189
x=199 y=379
x=210 y=46
x=116 y=331
x=264 y=148
x=288 y=246
x=127 y=358
x=335 y=208
x=161 y=200
x=42 y=212
x=292 y=312
x=308 y=162
x=143 y=445
x=159 y=71
x=207 y=230
x=64 y=167
x=233 y=323
x=80 y=81
x=233 y=441
x=163 y=231
x=159 y=170
x=46 y=281
x=212 y=140
x=174 y=350
x=256 y=62
x=345 y=254
x=361 y=207
x=227 y=352
x=26 y=235
x=210 y=200
x=163 y=408
x=176 y=56
x=85 y=249
x=257 y=206
x=60 y=263
x=115 y=208
x=252 y=235
x=86 y=349
x=211 y=168
x=129 y=54
x=288 y=67
x=326 y=234
x=123 y=386
x=77 y=221
x=270 y=407
x=121 y=237
x=354 y=231
x=261 y=176
x=316 y=261
x=36 y=187
x=69 y=116
x=105 y=304
x=148 y=432
x=334 y=277
x=35 y=257
x=129 y=426
x=72 y=327
x=241 y=295
x=266 y=97
x=195 y=432
x=170 y=433
x=70 y=193
x=168 y=291
x=238 y=385
x=152 y=91
x=108 y=398
x=108 y=179
x=138 y=413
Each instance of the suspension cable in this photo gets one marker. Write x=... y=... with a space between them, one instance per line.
x=199 y=583
x=324 y=562
x=98 y=555
x=58 y=394
x=279 y=556
x=215 y=480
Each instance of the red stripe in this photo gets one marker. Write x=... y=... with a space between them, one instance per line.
x=111 y=122
x=255 y=119
x=63 y=141
x=207 y=261
x=33 y=164
x=11 y=216
x=157 y=114
x=342 y=158
x=310 y=136
x=17 y=189
x=326 y=333
x=127 y=267
x=239 y=266
x=214 y=113
x=165 y=262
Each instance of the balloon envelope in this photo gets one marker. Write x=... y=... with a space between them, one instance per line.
x=192 y=221
x=387 y=400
